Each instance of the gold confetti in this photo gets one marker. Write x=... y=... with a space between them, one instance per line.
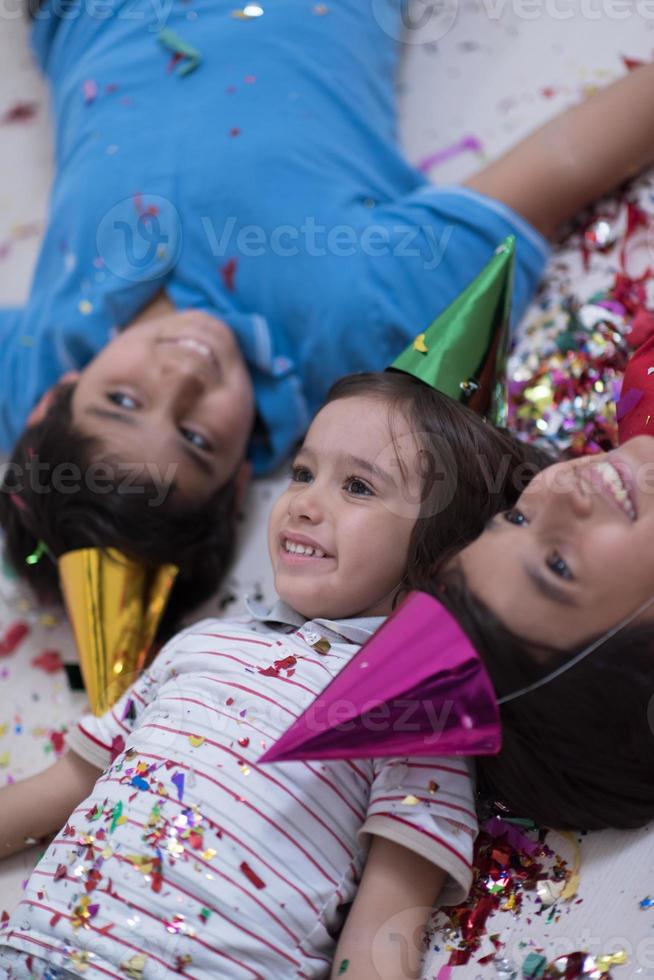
x=134 y=967
x=410 y=800
x=4 y=729
x=85 y=307
x=420 y=345
x=209 y=854
x=322 y=646
x=611 y=959
x=4 y=760
x=196 y=740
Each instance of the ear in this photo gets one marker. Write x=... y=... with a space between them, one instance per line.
x=242 y=480
x=42 y=407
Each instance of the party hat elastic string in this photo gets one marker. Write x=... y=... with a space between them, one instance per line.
x=591 y=648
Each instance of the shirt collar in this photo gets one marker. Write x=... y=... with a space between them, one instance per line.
x=357 y=630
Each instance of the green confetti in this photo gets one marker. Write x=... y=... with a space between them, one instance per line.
x=343 y=968
x=116 y=815
x=179 y=46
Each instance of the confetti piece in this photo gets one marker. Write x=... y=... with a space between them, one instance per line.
x=646 y=903
x=89 y=90
x=252 y=876
x=189 y=57
x=4 y=760
x=228 y=272
x=244 y=742
x=117 y=747
x=49 y=661
x=433 y=786
x=20 y=112
x=196 y=740
x=135 y=966
x=83 y=913
x=343 y=967
x=117 y=817
x=249 y=12
x=467 y=144
x=420 y=345
x=178 y=779
x=410 y=800
x=14 y=635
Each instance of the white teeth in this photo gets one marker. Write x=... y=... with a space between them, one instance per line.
x=303 y=549
x=195 y=345
x=614 y=482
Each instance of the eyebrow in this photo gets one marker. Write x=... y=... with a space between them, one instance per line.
x=358 y=462
x=549 y=589
x=200 y=462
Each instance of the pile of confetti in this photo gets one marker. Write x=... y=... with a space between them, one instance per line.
x=566 y=370
x=515 y=871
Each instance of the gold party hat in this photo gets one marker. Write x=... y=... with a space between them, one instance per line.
x=115 y=606
x=463 y=352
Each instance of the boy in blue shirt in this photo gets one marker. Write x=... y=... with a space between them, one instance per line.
x=229 y=187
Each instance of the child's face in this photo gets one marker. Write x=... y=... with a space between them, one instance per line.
x=172 y=393
x=572 y=559
x=347 y=498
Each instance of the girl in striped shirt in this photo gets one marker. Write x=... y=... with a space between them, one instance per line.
x=178 y=854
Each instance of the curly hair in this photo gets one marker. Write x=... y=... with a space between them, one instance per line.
x=53 y=492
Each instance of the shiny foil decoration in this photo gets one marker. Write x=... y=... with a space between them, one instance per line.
x=115 y=606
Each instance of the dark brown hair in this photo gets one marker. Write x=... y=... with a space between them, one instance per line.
x=470 y=469
x=40 y=503
x=578 y=752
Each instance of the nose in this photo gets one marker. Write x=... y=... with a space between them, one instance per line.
x=181 y=379
x=574 y=495
x=305 y=505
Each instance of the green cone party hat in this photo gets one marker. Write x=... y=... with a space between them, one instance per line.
x=464 y=351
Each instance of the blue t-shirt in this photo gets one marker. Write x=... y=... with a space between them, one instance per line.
x=265 y=186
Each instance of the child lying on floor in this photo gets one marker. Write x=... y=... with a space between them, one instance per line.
x=265 y=198
x=184 y=855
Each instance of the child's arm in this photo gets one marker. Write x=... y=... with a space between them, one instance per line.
x=40 y=805
x=578 y=156
x=396 y=895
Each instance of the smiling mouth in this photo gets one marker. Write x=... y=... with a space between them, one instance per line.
x=609 y=479
x=195 y=346
x=298 y=550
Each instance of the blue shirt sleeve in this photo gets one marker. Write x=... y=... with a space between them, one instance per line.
x=428 y=246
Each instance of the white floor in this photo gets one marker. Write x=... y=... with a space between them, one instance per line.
x=490 y=70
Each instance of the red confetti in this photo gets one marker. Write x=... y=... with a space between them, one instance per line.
x=227 y=273
x=93 y=879
x=287 y=664
x=60 y=872
x=48 y=661
x=252 y=876
x=631 y=63
x=55 y=919
x=20 y=112
x=4 y=919
x=244 y=742
x=117 y=747
x=58 y=741
x=234 y=131
x=13 y=635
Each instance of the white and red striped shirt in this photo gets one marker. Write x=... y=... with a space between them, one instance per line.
x=188 y=859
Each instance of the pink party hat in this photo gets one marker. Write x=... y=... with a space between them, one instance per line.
x=418 y=687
